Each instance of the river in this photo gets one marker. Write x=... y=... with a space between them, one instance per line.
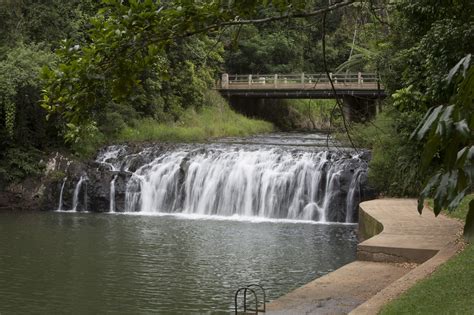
x=156 y=255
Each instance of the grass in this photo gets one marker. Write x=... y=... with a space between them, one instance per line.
x=215 y=120
x=449 y=290
x=461 y=212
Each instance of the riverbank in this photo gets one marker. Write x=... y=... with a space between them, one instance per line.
x=215 y=119
x=448 y=290
x=401 y=235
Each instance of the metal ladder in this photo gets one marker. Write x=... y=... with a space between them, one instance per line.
x=246 y=309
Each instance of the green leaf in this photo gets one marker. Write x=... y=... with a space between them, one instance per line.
x=455 y=202
x=465 y=64
x=446 y=185
x=445 y=121
x=421 y=203
x=469 y=226
x=431 y=147
x=463 y=128
x=427 y=190
x=428 y=122
x=461 y=157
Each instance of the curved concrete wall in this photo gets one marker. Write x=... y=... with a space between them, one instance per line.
x=392 y=230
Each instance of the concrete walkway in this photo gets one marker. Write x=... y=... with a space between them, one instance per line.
x=406 y=236
x=384 y=269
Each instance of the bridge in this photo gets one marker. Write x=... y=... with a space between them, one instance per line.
x=358 y=91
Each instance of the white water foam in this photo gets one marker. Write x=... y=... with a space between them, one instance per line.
x=260 y=183
x=112 y=194
x=236 y=182
x=77 y=190
x=236 y=218
x=60 y=205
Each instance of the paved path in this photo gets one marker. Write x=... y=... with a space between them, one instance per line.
x=406 y=236
x=338 y=292
x=385 y=261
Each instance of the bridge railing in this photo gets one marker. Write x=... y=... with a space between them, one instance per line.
x=302 y=80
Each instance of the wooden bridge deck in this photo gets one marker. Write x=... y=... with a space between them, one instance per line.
x=301 y=85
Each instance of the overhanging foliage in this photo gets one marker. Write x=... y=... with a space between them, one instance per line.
x=449 y=133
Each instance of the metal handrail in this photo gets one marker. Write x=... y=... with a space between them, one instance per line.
x=245 y=289
x=249 y=288
x=297 y=79
x=264 y=298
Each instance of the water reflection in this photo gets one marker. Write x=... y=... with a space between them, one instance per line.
x=91 y=263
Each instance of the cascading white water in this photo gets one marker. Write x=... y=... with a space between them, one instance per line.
x=269 y=183
x=109 y=156
x=60 y=205
x=112 y=194
x=77 y=190
x=353 y=195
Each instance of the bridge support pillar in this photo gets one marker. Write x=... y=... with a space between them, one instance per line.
x=358 y=109
x=225 y=81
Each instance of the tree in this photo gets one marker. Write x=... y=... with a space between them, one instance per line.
x=287 y=46
x=43 y=21
x=430 y=39
x=260 y=51
x=127 y=38
x=20 y=89
x=426 y=40
x=449 y=133
x=30 y=29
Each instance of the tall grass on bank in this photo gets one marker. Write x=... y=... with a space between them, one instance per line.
x=215 y=119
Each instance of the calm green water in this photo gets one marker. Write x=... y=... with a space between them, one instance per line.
x=97 y=263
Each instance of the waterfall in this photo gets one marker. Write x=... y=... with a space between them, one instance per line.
x=266 y=181
x=86 y=201
x=60 y=205
x=77 y=190
x=353 y=195
x=269 y=183
x=112 y=194
x=110 y=157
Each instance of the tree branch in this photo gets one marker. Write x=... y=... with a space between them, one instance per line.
x=274 y=18
x=338 y=101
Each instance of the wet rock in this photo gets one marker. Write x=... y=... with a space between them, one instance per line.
x=135 y=163
x=336 y=175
